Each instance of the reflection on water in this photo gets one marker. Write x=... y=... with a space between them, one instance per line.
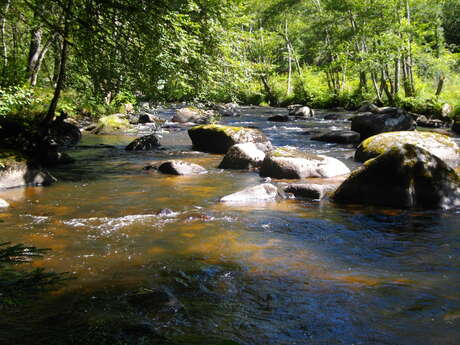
x=289 y=272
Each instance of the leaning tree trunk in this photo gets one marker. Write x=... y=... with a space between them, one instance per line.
x=62 y=66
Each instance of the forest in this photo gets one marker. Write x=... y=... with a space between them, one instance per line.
x=88 y=57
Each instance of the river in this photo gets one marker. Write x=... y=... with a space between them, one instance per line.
x=282 y=273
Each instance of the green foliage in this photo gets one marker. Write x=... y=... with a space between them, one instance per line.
x=15 y=99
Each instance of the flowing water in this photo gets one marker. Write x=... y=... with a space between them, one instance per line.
x=289 y=272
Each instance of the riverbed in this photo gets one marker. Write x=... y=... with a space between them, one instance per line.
x=280 y=273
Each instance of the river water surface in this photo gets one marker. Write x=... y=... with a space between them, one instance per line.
x=289 y=272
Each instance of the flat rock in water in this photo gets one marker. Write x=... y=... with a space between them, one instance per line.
x=181 y=168
x=192 y=115
x=339 y=137
x=261 y=193
x=292 y=164
x=437 y=144
x=310 y=190
x=243 y=156
x=4 y=204
x=404 y=177
x=149 y=142
x=219 y=138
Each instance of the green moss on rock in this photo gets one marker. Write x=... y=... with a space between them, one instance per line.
x=437 y=144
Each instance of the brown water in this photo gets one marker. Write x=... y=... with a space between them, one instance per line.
x=290 y=272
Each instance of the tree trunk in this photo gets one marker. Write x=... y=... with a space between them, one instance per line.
x=441 y=81
x=268 y=90
x=4 y=47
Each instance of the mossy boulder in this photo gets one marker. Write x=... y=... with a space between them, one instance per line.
x=243 y=156
x=112 y=124
x=16 y=170
x=406 y=176
x=219 y=138
x=284 y=163
x=437 y=144
x=146 y=143
x=370 y=124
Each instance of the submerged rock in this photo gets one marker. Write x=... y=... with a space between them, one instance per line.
x=4 y=204
x=219 y=138
x=243 y=156
x=437 y=144
x=261 y=193
x=18 y=171
x=278 y=118
x=176 y=167
x=292 y=164
x=339 y=137
x=404 y=177
x=149 y=142
x=371 y=124
x=310 y=190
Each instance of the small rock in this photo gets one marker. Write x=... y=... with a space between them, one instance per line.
x=181 y=168
x=146 y=143
x=192 y=115
x=263 y=192
x=303 y=112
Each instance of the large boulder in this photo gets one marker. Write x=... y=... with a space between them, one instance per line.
x=149 y=142
x=191 y=114
x=404 y=177
x=370 y=124
x=243 y=156
x=18 y=171
x=112 y=124
x=437 y=144
x=261 y=193
x=339 y=137
x=219 y=138
x=181 y=168
x=292 y=164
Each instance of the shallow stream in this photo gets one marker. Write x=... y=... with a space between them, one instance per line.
x=284 y=273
